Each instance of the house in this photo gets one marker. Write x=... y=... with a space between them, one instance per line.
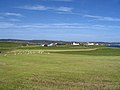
x=74 y=43
x=90 y=44
x=97 y=44
x=44 y=45
x=51 y=44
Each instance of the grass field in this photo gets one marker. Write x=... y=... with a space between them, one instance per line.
x=60 y=69
x=96 y=52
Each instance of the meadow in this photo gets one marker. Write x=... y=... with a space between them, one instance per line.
x=59 y=68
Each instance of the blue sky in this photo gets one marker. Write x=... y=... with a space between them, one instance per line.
x=68 y=20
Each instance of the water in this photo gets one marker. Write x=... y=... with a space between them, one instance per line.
x=112 y=46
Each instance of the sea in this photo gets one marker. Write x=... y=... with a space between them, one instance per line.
x=112 y=46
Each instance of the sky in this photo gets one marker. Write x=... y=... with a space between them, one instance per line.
x=67 y=20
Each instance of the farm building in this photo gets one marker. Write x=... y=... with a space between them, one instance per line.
x=51 y=44
x=74 y=43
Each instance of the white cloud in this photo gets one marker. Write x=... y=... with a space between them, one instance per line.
x=59 y=26
x=37 y=7
x=64 y=9
x=102 y=18
x=12 y=14
x=44 y=8
x=4 y=25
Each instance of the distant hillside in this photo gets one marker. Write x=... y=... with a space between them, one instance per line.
x=52 y=41
x=32 y=41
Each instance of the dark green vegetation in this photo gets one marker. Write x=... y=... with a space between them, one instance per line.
x=7 y=46
x=97 y=68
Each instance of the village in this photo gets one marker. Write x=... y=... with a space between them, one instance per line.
x=73 y=43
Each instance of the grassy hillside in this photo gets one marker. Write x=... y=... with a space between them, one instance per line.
x=59 y=72
x=51 y=68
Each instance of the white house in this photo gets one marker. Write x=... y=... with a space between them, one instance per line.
x=74 y=43
x=43 y=45
x=97 y=44
x=90 y=44
x=51 y=44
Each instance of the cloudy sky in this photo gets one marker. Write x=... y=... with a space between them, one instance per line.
x=68 y=20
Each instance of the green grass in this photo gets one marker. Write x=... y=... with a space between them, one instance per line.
x=97 y=52
x=7 y=46
x=76 y=70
